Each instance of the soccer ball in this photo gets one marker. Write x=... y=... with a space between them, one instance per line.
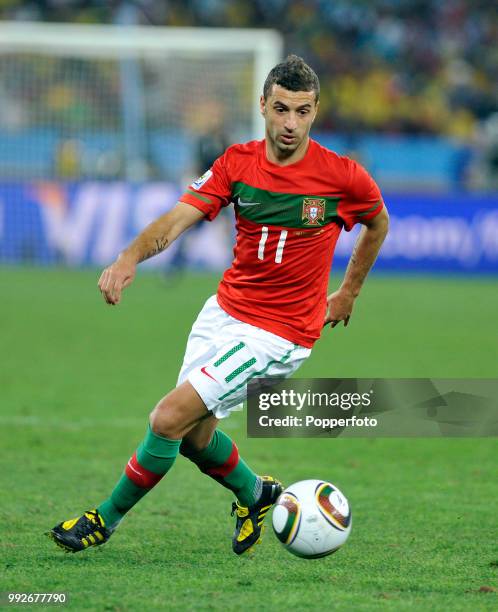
x=312 y=518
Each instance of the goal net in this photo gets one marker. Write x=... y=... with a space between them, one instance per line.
x=86 y=104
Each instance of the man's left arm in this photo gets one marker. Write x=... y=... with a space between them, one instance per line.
x=340 y=303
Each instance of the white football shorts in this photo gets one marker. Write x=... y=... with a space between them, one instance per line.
x=223 y=354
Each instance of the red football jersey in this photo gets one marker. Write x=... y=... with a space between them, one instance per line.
x=288 y=219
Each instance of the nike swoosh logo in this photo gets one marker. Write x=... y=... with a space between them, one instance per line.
x=203 y=370
x=241 y=203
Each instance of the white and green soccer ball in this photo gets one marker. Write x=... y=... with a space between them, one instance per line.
x=312 y=518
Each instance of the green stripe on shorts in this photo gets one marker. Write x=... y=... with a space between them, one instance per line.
x=228 y=354
x=259 y=373
x=240 y=369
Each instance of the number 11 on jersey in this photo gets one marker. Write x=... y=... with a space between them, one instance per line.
x=280 y=246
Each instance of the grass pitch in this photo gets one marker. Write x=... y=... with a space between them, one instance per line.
x=78 y=379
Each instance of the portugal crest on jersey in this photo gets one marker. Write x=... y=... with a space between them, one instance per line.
x=313 y=211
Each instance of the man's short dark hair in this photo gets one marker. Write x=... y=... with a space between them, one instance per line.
x=293 y=74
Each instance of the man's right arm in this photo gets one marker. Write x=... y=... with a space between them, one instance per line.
x=153 y=240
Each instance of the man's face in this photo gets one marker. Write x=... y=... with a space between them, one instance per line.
x=288 y=118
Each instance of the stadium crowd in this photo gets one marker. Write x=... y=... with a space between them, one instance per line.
x=395 y=66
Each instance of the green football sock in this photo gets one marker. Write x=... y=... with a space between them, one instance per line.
x=153 y=458
x=220 y=460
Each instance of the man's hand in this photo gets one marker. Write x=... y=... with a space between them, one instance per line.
x=339 y=307
x=340 y=303
x=152 y=240
x=115 y=278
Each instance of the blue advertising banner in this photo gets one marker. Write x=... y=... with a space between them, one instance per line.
x=436 y=233
x=88 y=223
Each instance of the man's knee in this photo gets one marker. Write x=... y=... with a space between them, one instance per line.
x=195 y=442
x=199 y=437
x=167 y=418
x=176 y=414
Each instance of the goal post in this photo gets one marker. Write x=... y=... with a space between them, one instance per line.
x=117 y=90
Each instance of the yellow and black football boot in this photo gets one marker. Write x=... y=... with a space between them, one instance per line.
x=249 y=521
x=81 y=533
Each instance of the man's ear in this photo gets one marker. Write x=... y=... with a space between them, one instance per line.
x=316 y=109
x=262 y=105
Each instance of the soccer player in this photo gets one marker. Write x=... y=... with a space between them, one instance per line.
x=291 y=198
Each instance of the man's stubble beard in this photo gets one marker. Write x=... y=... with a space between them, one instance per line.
x=283 y=149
